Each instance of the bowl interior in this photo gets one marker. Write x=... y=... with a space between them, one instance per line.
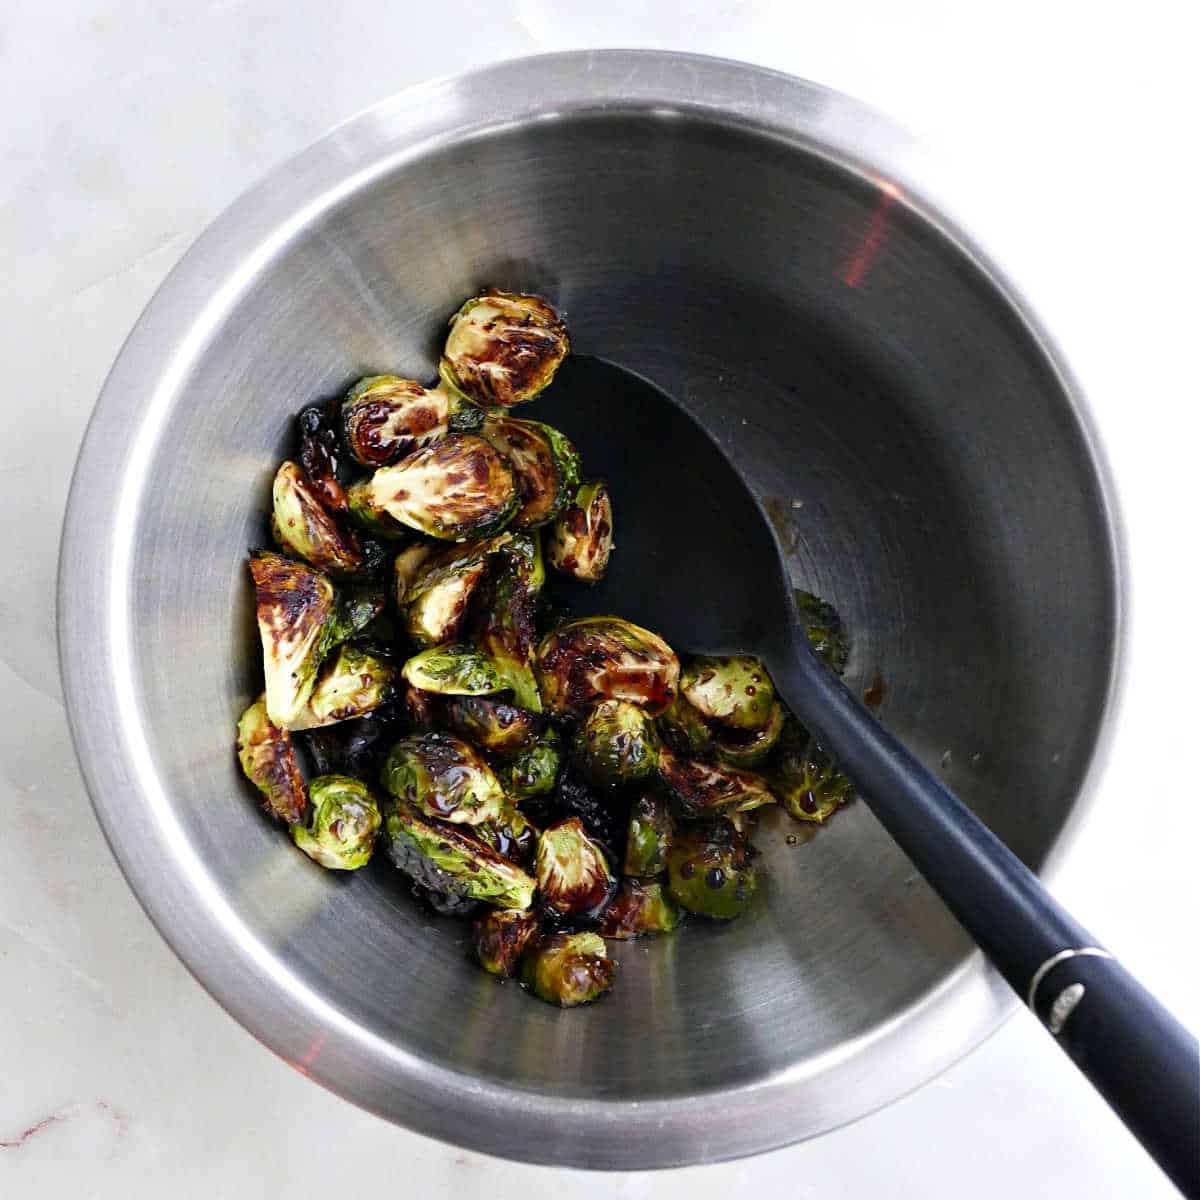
x=919 y=456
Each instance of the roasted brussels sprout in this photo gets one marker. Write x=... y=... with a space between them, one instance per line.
x=355 y=747
x=581 y=541
x=616 y=743
x=385 y=417
x=453 y=670
x=358 y=604
x=458 y=488
x=351 y=684
x=505 y=630
x=511 y=834
x=572 y=872
x=523 y=554
x=824 y=629
x=709 y=870
x=806 y=780
x=342 y=823
x=568 y=969
x=451 y=860
x=545 y=463
x=500 y=728
x=294 y=605
x=269 y=762
x=435 y=591
x=735 y=690
x=319 y=457
x=503 y=348
x=699 y=788
x=370 y=517
x=501 y=937
x=533 y=772
x=685 y=730
x=603 y=811
x=605 y=658
x=444 y=778
x=651 y=831
x=302 y=525
x=407 y=567
x=748 y=747
x=640 y=906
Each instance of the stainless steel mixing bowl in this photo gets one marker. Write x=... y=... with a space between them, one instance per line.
x=756 y=246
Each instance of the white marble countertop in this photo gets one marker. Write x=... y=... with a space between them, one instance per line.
x=131 y=123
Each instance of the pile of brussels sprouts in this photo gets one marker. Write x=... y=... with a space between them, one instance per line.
x=563 y=781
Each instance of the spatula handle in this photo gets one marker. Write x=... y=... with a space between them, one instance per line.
x=1136 y=1054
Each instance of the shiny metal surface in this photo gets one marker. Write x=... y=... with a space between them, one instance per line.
x=761 y=249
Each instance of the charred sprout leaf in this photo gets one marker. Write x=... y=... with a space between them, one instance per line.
x=500 y=728
x=806 y=779
x=748 y=748
x=685 y=730
x=445 y=904
x=458 y=488
x=353 y=747
x=581 y=541
x=523 y=553
x=419 y=708
x=294 y=605
x=699 y=788
x=606 y=658
x=435 y=590
x=449 y=859
x=568 y=969
x=616 y=743
x=370 y=517
x=545 y=463
x=453 y=670
x=533 y=772
x=651 y=831
x=824 y=629
x=735 y=690
x=342 y=824
x=512 y=835
x=572 y=873
x=358 y=604
x=709 y=870
x=503 y=348
x=319 y=457
x=444 y=778
x=505 y=630
x=501 y=937
x=604 y=813
x=302 y=525
x=269 y=762
x=640 y=906
x=351 y=684
x=385 y=417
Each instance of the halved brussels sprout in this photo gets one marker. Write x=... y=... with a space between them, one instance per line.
x=581 y=541
x=523 y=553
x=534 y=771
x=699 y=788
x=294 y=605
x=502 y=729
x=735 y=690
x=824 y=629
x=606 y=658
x=748 y=747
x=568 y=969
x=453 y=670
x=503 y=348
x=451 y=860
x=435 y=591
x=407 y=568
x=572 y=872
x=501 y=937
x=458 y=488
x=351 y=684
x=545 y=463
x=511 y=834
x=639 y=907
x=685 y=730
x=805 y=778
x=319 y=457
x=269 y=762
x=651 y=831
x=616 y=743
x=358 y=604
x=302 y=525
x=385 y=417
x=342 y=824
x=370 y=517
x=444 y=778
x=709 y=870
x=506 y=628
